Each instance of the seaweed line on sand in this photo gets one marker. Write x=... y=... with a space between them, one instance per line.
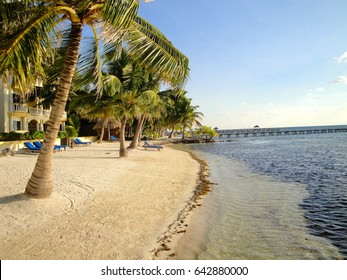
x=176 y=229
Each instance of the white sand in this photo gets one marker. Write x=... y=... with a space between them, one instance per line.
x=102 y=207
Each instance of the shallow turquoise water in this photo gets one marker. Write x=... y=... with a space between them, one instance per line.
x=275 y=198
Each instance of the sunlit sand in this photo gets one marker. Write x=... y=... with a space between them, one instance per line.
x=102 y=207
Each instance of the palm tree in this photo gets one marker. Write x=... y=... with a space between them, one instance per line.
x=190 y=117
x=149 y=102
x=128 y=106
x=173 y=99
x=103 y=108
x=180 y=112
x=27 y=29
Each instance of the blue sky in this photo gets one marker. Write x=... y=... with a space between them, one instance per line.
x=270 y=63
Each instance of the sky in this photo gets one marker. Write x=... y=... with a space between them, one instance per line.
x=272 y=63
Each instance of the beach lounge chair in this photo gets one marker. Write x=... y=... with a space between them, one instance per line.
x=149 y=146
x=31 y=147
x=78 y=142
x=56 y=147
x=113 y=138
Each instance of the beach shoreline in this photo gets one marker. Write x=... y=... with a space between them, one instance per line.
x=169 y=242
x=102 y=207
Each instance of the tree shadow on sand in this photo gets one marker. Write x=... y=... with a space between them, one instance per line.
x=13 y=198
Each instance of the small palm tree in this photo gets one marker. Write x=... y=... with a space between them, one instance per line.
x=94 y=108
x=150 y=105
x=128 y=106
x=188 y=116
x=32 y=29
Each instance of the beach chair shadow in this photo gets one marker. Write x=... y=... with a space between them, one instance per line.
x=146 y=145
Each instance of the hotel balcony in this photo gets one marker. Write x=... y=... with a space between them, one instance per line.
x=20 y=109
x=35 y=111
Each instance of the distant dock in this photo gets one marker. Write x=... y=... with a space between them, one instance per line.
x=255 y=132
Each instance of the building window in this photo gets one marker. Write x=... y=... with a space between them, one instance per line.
x=16 y=125
x=16 y=98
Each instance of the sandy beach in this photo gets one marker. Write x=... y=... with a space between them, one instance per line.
x=102 y=207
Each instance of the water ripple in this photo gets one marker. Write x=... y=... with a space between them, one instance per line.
x=317 y=161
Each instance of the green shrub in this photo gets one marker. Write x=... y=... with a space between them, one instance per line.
x=62 y=134
x=13 y=136
x=71 y=131
x=3 y=136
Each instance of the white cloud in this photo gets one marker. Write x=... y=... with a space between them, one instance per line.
x=339 y=80
x=318 y=89
x=342 y=58
x=243 y=103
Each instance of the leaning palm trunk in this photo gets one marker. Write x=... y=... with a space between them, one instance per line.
x=105 y=121
x=183 y=132
x=101 y=135
x=172 y=131
x=123 y=152
x=40 y=182
x=141 y=129
x=135 y=142
x=108 y=132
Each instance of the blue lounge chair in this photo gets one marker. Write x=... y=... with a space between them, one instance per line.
x=78 y=141
x=113 y=138
x=56 y=147
x=149 y=146
x=31 y=147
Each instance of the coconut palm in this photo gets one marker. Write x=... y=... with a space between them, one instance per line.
x=134 y=91
x=150 y=105
x=30 y=31
x=190 y=117
x=128 y=106
x=101 y=109
x=180 y=112
x=173 y=102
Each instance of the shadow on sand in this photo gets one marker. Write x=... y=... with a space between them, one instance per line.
x=13 y=198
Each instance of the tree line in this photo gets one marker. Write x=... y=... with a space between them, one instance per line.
x=116 y=74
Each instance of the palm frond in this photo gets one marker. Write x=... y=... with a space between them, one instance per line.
x=25 y=48
x=120 y=13
x=89 y=68
x=14 y=13
x=112 y=84
x=156 y=52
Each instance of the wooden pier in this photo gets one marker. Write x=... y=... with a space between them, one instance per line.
x=255 y=132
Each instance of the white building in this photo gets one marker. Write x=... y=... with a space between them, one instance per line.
x=23 y=114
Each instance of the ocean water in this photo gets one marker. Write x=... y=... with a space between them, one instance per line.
x=276 y=197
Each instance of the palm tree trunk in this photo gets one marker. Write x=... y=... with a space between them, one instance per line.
x=102 y=130
x=172 y=131
x=135 y=143
x=40 y=183
x=109 y=132
x=142 y=127
x=123 y=152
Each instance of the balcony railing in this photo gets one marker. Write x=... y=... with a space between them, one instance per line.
x=35 y=111
x=46 y=113
x=18 y=107
x=23 y=108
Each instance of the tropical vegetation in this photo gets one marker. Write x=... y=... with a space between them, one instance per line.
x=33 y=32
x=207 y=133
